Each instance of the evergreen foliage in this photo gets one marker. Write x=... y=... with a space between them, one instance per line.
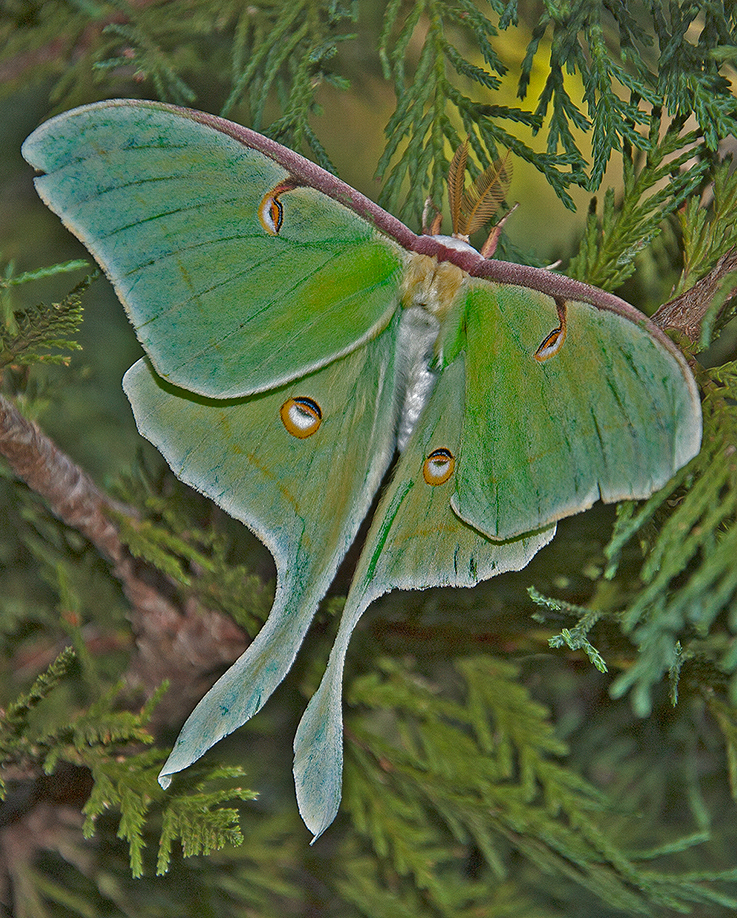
x=197 y=558
x=571 y=750
x=484 y=772
x=33 y=334
x=652 y=192
x=106 y=742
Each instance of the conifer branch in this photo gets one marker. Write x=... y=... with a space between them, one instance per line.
x=182 y=644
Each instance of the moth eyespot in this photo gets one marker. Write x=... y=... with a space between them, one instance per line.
x=301 y=416
x=439 y=466
x=554 y=341
x=271 y=214
x=551 y=345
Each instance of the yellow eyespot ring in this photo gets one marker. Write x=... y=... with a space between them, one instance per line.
x=551 y=345
x=439 y=466
x=271 y=214
x=270 y=210
x=553 y=342
x=301 y=416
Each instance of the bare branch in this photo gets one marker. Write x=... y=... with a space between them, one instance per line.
x=686 y=312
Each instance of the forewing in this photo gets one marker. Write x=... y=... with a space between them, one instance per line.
x=304 y=496
x=169 y=205
x=612 y=413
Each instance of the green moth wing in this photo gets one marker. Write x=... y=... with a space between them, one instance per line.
x=565 y=404
x=507 y=444
x=296 y=334
x=235 y=278
x=303 y=496
x=415 y=541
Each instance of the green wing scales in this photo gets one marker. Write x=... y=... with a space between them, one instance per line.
x=270 y=299
x=524 y=442
x=415 y=541
x=171 y=210
x=303 y=497
x=610 y=415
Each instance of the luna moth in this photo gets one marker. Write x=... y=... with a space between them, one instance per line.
x=298 y=337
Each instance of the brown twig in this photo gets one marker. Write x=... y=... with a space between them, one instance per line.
x=686 y=312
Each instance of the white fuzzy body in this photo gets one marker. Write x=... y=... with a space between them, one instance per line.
x=430 y=289
x=418 y=331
